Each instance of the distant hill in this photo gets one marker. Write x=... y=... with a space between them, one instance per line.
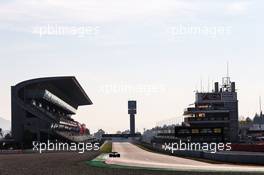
x=5 y=124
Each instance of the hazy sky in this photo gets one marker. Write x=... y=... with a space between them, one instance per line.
x=154 y=51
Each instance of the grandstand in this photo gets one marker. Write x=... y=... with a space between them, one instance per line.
x=42 y=109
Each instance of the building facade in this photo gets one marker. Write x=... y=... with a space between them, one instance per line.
x=212 y=118
x=214 y=115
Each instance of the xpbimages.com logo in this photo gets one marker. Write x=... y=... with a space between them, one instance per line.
x=59 y=146
x=191 y=146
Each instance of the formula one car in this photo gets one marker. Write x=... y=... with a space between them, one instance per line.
x=114 y=155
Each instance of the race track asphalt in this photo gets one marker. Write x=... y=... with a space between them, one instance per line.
x=134 y=156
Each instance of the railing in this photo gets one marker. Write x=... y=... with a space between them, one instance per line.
x=192 y=110
x=207 y=119
x=73 y=137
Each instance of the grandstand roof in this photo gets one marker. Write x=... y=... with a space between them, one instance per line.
x=67 y=84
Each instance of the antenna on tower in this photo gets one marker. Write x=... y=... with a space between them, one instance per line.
x=260 y=104
x=201 y=83
x=208 y=86
x=227 y=68
x=226 y=83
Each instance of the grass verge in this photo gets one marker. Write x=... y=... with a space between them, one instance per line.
x=106 y=147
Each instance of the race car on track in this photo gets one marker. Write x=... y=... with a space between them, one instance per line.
x=114 y=154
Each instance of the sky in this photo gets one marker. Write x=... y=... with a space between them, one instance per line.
x=154 y=51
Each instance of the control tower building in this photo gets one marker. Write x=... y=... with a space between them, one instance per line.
x=132 y=110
